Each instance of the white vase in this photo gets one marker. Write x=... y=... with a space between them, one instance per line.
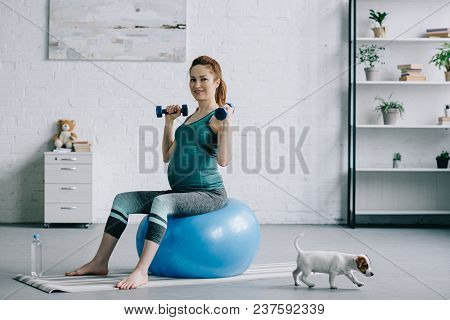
x=391 y=117
x=379 y=32
x=371 y=74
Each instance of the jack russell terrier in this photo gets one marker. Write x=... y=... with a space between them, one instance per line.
x=331 y=263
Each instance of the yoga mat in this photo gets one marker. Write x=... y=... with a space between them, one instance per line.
x=53 y=284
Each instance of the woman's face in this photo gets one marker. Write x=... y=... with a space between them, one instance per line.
x=202 y=84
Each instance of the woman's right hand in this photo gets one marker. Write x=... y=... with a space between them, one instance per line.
x=173 y=112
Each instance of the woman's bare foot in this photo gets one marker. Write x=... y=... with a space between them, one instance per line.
x=136 y=279
x=92 y=267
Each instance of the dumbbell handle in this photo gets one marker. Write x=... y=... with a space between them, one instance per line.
x=160 y=111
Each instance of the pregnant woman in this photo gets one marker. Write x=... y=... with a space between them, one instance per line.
x=200 y=143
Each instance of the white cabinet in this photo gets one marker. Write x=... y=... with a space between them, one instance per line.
x=68 y=187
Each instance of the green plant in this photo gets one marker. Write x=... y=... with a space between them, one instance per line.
x=378 y=17
x=442 y=57
x=370 y=55
x=444 y=155
x=387 y=104
x=397 y=156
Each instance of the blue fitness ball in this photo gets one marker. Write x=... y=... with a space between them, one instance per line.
x=218 y=244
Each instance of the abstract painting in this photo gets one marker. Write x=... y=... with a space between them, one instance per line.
x=145 y=30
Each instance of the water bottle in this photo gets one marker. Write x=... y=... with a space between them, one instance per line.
x=36 y=256
x=446 y=110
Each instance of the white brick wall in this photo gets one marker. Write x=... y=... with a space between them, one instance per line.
x=273 y=53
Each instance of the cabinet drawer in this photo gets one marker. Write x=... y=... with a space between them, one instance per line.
x=70 y=158
x=64 y=192
x=68 y=173
x=68 y=213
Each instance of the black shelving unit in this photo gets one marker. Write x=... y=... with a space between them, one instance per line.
x=351 y=182
x=352 y=123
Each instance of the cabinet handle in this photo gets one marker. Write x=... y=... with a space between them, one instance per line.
x=73 y=168
x=65 y=159
x=68 y=208
x=68 y=188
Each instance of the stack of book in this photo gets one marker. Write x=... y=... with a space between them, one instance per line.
x=82 y=146
x=411 y=72
x=438 y=33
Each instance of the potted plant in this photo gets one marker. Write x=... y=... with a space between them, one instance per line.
x=442 y=160
x=390 y=109
x=396 y=160
x=442 y=59
x=370 y=55
x=378 y=17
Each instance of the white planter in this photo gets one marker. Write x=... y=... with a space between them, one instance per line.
x=379 y=32
x=371 y=74
x=391 y=117
x=396 y=163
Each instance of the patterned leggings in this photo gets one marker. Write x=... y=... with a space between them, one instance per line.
x=159 y=204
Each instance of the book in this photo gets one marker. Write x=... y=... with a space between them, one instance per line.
x=404 y=74
x=439 y=35
x=413 y=78
x=415 y=71
x=411 y=72
x=438 y=30
x=412 y=75
x=417 y=66
x=82 y=146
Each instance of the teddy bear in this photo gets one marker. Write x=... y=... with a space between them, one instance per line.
x=66 y=137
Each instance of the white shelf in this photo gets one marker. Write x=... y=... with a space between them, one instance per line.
x=404 y=40
x=381 y=1
x=404 y=83
x=383 y=126
x=403 y=212
x=402 y=170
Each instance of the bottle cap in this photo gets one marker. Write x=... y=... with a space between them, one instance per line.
x=36 y=236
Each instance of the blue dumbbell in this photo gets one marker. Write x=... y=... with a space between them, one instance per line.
x=160 y=111
x=221 y=113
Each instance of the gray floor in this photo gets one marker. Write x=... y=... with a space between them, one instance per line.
x=409 y=263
